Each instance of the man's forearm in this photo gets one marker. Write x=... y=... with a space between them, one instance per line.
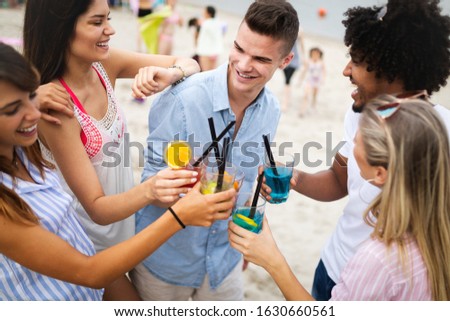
x=326 y=186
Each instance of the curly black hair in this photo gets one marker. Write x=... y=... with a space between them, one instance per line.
x=411 y=42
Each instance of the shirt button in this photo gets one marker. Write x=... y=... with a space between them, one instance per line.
x=213 y=231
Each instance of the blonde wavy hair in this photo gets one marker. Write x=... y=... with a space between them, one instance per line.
x=415 y=200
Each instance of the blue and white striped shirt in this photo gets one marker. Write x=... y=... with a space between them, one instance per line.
x=52 y=205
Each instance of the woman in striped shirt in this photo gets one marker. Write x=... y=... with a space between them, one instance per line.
x=79 y=70
x=402 y=147
x=44 y=252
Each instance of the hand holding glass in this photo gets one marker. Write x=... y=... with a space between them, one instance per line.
x=178 y=155
x=278 y=177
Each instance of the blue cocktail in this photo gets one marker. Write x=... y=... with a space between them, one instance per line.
x=245 y=217
x=241 y=218
x=278 y=177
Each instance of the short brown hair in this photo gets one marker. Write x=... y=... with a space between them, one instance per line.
x=276 y=19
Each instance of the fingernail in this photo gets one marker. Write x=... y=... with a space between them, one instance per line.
x=193 y=180
x=194 y=173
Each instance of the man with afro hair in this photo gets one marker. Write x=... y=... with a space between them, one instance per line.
x=397 y=48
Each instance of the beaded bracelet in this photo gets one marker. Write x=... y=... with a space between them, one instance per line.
x=183 y=77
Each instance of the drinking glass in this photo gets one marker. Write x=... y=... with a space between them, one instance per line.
x=278 y=177
x=249 y=217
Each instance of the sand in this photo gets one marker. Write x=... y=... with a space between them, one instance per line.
x=301 y=226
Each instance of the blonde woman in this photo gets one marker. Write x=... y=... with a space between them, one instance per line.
x=408 y=253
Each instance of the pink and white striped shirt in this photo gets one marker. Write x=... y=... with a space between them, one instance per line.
x=376 y=273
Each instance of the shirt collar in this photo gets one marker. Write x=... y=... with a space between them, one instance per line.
x=20 y=186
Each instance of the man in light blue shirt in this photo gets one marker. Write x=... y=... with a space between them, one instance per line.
x=198 y=262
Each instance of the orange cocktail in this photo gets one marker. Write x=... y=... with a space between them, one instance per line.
x=178 y=155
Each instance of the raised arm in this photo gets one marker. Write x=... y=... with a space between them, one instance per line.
x=53 y=98
x=261 y=249
x=44 y=252
x=331 y=184
x=69 y=153
x=326 y=186
x=152 y=73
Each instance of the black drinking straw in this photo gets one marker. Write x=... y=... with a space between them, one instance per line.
x=256 y=196
x=222 y=164
x=269 y=154
x=211 y=146
x=212 y=130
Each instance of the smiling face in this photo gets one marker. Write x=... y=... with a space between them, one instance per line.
x=92 y=33
x=253 y=60
x=19 y=115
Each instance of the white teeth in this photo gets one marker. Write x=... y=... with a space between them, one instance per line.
x=27 y=130
x=102 y=44
x=244 y=76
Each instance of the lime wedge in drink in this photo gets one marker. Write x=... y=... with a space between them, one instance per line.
x=247 y=220
x=210 y=188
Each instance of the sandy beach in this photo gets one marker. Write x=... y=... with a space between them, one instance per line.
x=300 y=226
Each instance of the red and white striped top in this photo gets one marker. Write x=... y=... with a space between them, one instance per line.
x=376 y=273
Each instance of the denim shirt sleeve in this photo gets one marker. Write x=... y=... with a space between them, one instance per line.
x=167 y=124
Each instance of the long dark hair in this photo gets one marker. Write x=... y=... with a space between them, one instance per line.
x=17 y=71
x=48 y=28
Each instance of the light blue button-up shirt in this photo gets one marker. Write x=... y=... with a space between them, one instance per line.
x=181 y=113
